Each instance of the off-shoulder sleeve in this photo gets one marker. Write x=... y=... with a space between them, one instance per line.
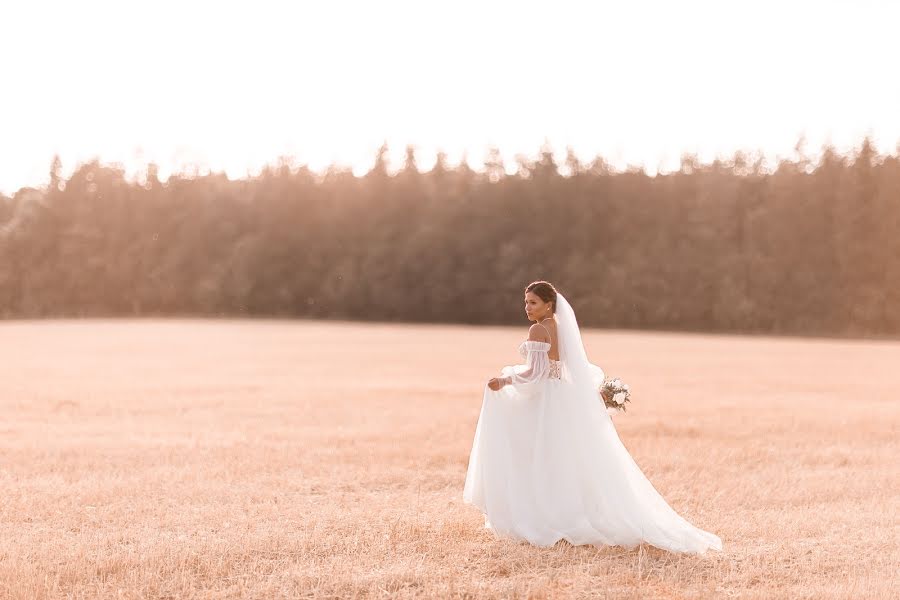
x=537 y=364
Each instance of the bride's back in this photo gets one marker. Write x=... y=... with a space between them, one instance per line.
x=546 y=329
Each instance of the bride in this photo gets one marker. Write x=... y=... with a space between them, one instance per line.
x=547 y=463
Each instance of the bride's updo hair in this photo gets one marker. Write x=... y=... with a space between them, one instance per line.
x=543 y=290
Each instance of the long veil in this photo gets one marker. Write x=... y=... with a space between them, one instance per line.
x=627 y=509
x=576 y=367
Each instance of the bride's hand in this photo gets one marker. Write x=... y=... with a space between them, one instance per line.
x=495 y=383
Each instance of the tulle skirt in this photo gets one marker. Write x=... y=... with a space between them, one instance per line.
x=547 y=464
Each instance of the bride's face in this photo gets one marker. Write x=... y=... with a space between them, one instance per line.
x=535 y=308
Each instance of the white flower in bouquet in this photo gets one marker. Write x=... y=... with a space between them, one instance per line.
x=615 y=395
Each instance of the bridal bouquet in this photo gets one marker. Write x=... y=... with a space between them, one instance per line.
x=615 y=394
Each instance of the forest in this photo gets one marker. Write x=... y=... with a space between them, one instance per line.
x=804 y=246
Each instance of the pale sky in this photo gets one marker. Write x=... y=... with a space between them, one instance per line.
x=231 y=86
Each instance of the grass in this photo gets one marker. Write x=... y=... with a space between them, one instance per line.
x=255 y=459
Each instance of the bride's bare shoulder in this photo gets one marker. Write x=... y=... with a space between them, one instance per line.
x=538 y=333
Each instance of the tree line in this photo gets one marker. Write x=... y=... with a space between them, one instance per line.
x=805 y=247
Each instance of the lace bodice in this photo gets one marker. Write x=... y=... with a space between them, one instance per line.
x=555 y=370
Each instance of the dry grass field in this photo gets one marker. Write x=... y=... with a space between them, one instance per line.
x=267 y=459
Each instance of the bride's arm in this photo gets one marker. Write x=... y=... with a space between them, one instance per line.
x=537 y=362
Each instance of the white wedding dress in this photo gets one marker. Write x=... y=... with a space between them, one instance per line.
x=547 y=463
